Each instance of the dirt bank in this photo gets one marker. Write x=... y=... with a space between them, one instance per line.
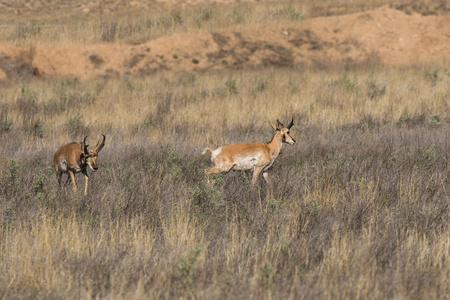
x=383 y=36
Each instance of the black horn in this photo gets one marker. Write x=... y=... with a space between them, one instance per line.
x=290 y=124
x=84 y=146
x=279 y=125
x=100 y=145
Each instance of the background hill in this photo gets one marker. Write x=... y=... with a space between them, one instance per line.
x=113 y=39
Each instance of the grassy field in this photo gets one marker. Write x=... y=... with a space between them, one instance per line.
x=358 y=208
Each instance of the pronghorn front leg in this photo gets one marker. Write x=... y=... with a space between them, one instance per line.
x=268 y=185
x=87 y=179
x=256 y=174
x=266 y=176
x=67 y=180
x=72 y=177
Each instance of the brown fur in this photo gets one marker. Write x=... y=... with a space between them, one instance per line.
x=74 y=158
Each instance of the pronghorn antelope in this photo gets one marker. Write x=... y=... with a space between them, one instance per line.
x=251 y=156
x=74 y=158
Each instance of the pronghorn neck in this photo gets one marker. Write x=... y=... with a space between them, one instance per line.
x=275 y=144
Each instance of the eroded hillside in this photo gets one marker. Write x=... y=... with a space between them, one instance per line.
x=384 y=35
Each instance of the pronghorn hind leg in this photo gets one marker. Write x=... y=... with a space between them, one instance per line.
x=215 y=170
x=58 y=176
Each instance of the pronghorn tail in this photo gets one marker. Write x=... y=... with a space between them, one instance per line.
x=206 y=150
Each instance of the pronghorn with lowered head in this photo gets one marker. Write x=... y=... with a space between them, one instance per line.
x=74 y=158
x=258 y=157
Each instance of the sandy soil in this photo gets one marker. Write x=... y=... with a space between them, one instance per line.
x=382 y=36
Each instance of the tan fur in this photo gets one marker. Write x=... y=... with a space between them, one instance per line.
x=206 y=150
x=250 y=156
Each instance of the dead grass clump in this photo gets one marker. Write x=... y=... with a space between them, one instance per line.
x=96 y=60
x=424 y=7
x=5 y=122
x=19 y=68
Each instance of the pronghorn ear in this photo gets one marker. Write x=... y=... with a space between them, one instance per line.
x=273 y=126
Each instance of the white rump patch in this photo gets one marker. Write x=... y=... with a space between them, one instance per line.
x=215 y=153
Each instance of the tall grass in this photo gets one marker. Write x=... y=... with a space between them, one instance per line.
x=199 y=109
x=140 y=21
x=358 y=208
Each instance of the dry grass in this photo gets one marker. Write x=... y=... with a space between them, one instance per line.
x=205 y=108
x=116 y=21
x=134 y=25
x=359 y=207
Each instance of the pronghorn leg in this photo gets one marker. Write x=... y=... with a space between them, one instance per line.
x=67 y=180
x=72 y=177
x=268 y=184
x=266 y=177
x=58 y=176
x=256 y=172
x=215 y=170
x=87 y=179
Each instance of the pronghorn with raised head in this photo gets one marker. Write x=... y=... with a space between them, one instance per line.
x=258 y=157
x=74 y=158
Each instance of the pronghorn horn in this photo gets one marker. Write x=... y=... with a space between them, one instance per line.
x=279 y=125
x=290 y=124
x=100 y=145
x=84 y=146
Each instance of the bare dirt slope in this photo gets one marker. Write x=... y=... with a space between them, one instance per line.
x=385 y=35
